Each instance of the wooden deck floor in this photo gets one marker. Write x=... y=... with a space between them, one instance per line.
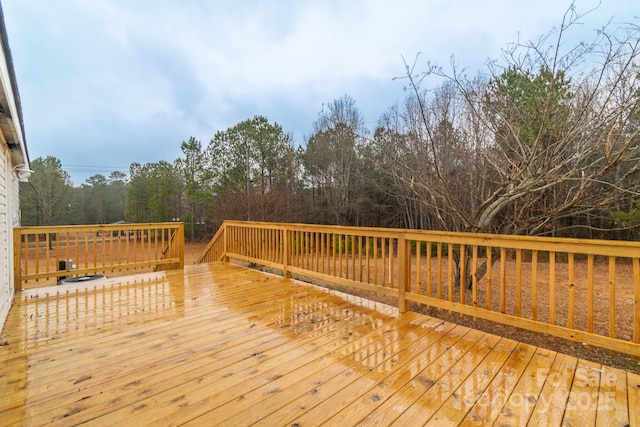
x=224 y=345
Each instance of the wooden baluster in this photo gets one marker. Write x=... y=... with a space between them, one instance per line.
x=503 y=280
x=36 y=252
x=429 y=269
x=368 y=258
x=439 y=260
x=323 y=247
x=552 y=288
x=384 y=261
x=310 y=249
x=518 y=282
x=392 y=254
x=334 y=249
x=317 y=252
x=534 y=285
x=636 y=292
x=418 y=267
x=353 y=257
x=403 y=273
x=375 y=261
x=286 y=252
x=95 y=249
x=590 y=300
x=47 y=254
x=571 y=291
x=340 y=251
x=450 y=270
x=488 y=275
x=463 y=273
x=474 y=276
x=612 y=296
x=360 y=258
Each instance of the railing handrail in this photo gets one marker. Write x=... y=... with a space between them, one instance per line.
x=358 y=256
x=42 y=229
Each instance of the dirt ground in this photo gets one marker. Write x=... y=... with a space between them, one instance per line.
x=192 y=251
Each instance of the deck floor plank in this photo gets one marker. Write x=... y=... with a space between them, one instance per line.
x=354 y=388
x=276 y=375
x=257 y=401
x=612 y=398
x=200 y=354
x=552 y=401
x=219 y=344
x=423 y=379
x=54 y=369
x=633 y=396
x=435 y=396
x=356 y=358
x=205 y=368
x=492 y=401
x=582 y=405
x=455 y=409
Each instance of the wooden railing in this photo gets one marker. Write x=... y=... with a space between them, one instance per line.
x=43 y=255
x=215 y=249
x=582 y=290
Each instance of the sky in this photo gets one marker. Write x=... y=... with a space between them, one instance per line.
x=105 y=83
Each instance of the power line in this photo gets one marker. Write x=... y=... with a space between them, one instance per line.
x=94 y=168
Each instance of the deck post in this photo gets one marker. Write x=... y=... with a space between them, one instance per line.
x=636 y=290
x=286 y=254
x=404 y=253
x=17 y=259
x=180 y=232
x=225 y=243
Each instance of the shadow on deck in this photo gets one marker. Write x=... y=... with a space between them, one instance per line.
x=225 y=345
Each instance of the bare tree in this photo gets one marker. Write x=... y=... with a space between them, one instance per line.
x=547 y=143
x=548 y=140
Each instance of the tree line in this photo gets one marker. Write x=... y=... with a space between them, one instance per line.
x=545 y=141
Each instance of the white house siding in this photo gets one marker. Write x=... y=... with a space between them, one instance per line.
x=7 y=193
x=13 y=153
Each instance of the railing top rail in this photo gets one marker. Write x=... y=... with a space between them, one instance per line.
x=92 y=227
x=343 y=229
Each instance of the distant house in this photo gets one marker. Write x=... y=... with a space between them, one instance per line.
x=14 y=167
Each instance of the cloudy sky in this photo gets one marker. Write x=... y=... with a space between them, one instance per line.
x=105 y=83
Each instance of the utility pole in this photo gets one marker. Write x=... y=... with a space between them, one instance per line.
x=246 y=188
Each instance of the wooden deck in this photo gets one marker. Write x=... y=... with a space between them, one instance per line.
x=219 y=344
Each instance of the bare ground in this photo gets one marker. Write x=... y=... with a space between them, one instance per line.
x=192 y=252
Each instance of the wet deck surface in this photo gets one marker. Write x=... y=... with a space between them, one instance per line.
x=219 y=344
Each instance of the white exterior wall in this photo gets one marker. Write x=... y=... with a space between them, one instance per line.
x=13 y=153
x=8 y=217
